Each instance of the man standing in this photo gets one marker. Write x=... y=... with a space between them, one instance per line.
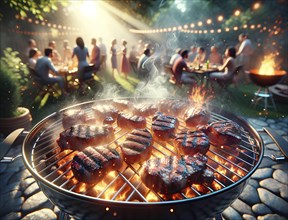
x=95 y=55
x=42 y=68
x=103 y=54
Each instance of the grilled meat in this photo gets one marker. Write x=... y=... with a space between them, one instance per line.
x=108 y=120
x=223 y=133
x=144 y=109
x=163 y=126
x=138 y=146
x=174 y=108
x=129 y=121
x=75 y=116
x=103 y=111
x=195 y=116
x=191 y=142
x=170 y=175
x=93 y=163
x=80 y=136
x=122 y=105
x=206 y=177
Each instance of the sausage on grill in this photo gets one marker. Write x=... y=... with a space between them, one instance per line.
x=195 y=116
x=223 y=133
x=80 y=136
x=93 y=163
x=164 y=127
x=138 y=146
x=191 y=142
x=170 y=174
x=129 y=121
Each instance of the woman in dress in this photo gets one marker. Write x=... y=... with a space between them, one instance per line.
x=124 y=61
x=82 y=54
x=113 y=52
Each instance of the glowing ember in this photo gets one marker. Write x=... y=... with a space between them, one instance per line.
x=267 y=66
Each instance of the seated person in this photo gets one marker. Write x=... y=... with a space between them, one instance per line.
x=178 y=67
x=56 y=59
x=175 y=56
x=200 y=57
x=42 y=68
x=215 y=57
x=228 y=68
x=34 y=54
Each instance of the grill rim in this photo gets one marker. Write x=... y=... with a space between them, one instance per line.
x=34 y=133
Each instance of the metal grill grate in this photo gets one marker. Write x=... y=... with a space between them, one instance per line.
x=228 y=164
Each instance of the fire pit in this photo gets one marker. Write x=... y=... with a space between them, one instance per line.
x=122 y=195
x=264 y=77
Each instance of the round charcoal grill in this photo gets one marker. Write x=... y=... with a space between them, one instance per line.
x=122 y=195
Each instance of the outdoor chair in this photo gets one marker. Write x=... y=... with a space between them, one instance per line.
x=225 y=83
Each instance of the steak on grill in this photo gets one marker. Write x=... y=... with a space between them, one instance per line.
x=103 y=111
x=223 y=133
x=195 y=116
x=75 y=116
x=129 y=121
x=191 y=142
x=80 y=136
x=172 y=107
x=145 y=109
x=93 y=163
x=122 y=105
x=170 y=174
x=138 y=146
x=163 y=126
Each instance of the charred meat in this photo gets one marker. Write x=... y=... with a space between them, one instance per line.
x=170 y=174
x=80 y=136
x=195 y=116
x=129 y=121
x=93 y=163
x=223 y=133
x=138 y=146
x=164 y=127
x=191 y=142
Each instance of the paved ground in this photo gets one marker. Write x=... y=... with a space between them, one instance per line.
x=265 y=196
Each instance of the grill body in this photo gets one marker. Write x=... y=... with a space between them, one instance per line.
x=82 y=206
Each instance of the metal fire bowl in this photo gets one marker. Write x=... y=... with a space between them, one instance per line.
x=266 y=80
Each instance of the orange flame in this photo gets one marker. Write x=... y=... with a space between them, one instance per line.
x=200 y=95
x=267 y=65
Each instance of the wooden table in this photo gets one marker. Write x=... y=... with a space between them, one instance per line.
x=203 y=75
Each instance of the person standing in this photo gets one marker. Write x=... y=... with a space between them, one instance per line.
x=103 y=54
x=113 y=52
x=95 y=55
x=67 y=53
x=124 y=61
x=81 y=52
x=244 y=54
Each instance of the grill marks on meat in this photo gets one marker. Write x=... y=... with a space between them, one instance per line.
x=145 y=109
x=191 y=142
x=164 y=127
x=170 y=175
x=122 y=105
x=80 y=136
x=129 y=121
x=223 y=133
x=138 y=146
x=172 y=107
x=93 y=163
x=195 y=116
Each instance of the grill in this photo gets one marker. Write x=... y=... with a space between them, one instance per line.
x=121 y=194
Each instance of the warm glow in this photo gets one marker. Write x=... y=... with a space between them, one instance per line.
x=192 y=25
x=151 y=197
x=185 y=26
x=209 y=21
x=199 y=96
x=200 y=23
x=267 y=66
x=235 y=28
x=220 y=18
x=237 y=13
x=256 y=5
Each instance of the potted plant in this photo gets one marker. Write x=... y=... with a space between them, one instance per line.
x=12 y=116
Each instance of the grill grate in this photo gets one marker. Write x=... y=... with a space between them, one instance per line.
x=228 y=164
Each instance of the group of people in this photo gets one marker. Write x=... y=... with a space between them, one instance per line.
x=226 y=65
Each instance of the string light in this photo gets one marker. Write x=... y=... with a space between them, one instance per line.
x=200 y=23
x=220 y=18
x=237 y=13
x=256 y=5
x=209 y=21
x=192 y=25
